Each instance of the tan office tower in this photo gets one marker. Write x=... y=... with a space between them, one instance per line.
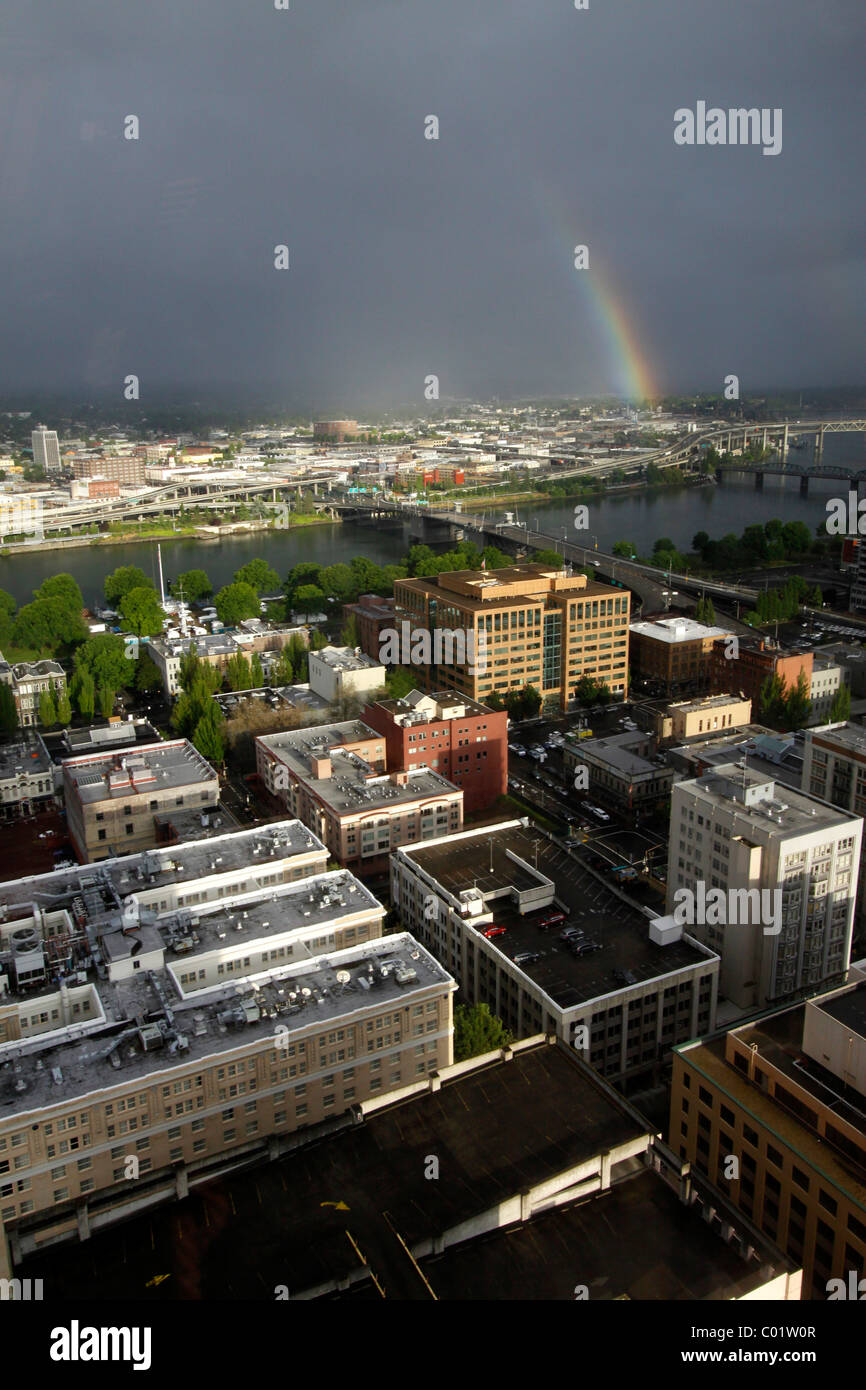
x=530 y=625
x=46 y=449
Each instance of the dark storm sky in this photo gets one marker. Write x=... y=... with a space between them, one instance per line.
x=409 y=256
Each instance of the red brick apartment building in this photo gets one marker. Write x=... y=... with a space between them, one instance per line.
x=372 y=615
x=746 y=673
x=459 y=738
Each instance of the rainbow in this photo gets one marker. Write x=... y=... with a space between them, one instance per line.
x=633 y=376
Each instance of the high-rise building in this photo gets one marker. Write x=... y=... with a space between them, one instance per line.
x=527 y=625
x=772 y=1113
x=834 y=769
x=735 y=830
x=46 y=449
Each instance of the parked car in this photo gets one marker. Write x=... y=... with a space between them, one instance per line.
x=495 y=931
x=584 y=948
x=551 y=919
x=526 y=957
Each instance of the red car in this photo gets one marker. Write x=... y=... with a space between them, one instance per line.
x=552 y=919
x=494 y=931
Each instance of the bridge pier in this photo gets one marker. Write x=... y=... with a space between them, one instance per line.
x=819 y=445
x=785 y=444
x=804 y=485
x=759 y=482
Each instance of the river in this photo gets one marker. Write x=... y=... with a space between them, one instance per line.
x=677 y=513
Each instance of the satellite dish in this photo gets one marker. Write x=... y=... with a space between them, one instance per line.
x=343 y=977
x=306 y=992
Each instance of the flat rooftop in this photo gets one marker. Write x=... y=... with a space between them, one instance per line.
x=848 y=1008
x=790 y=813
x=103 y=738
x=590 y=906
x=779 y=1039
x=24 y=756
x=116 y=879
x=489 y=595
x=153 y=767
x=346 y=659
x=208 y=1023
x=408 y=709
x=703 y=702
x=299 y=697
x=850 y=737
x=617 y=751
x=673 y=630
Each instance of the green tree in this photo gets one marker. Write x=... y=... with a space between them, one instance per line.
x=305 y=572
x=551 y=558
x=307 y=599
x=259 y=575
x=7 y=614
x=193 y=584
x=208 y=736
x=105 y=658
x=339 y=582
x=624 y=548
x=105 y=698
x=236 y=602
x=147 y=675
x=47 y=709
x=142 y=611
x=476 y=1031
x=8 y=711
x=398 y=682
x=121 y=580
x=840 y=709
x=798 y=705
x=257 y=675
x=772 y=700
x=796 y=538
x=84 y=694
x=350 y=635
x=238 y=676
x=700 y=541
x=283 y=671
x=64 y=709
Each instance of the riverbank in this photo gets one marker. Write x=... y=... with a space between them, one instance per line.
x=584 y=490
x=133 y=535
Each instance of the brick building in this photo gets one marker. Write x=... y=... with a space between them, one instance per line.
x=754 y=662
x=674 y=655
x=372 y=615
x=457 y=737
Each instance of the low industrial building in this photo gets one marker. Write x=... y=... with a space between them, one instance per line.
x=772 y=1114
x=113 y=800
x=640 y=985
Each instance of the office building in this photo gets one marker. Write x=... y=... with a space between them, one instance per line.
x=834 y=769
x=526 y=625
x=125 y=469
x=734 y=830
x=114 y=801
x=456 y=737
x=251 y=637
x=827 y=679
x=785 y=1098
x=334 y=779
x=46 y=449
x=187 y=1010
x=673 y=655
x=630 y=986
